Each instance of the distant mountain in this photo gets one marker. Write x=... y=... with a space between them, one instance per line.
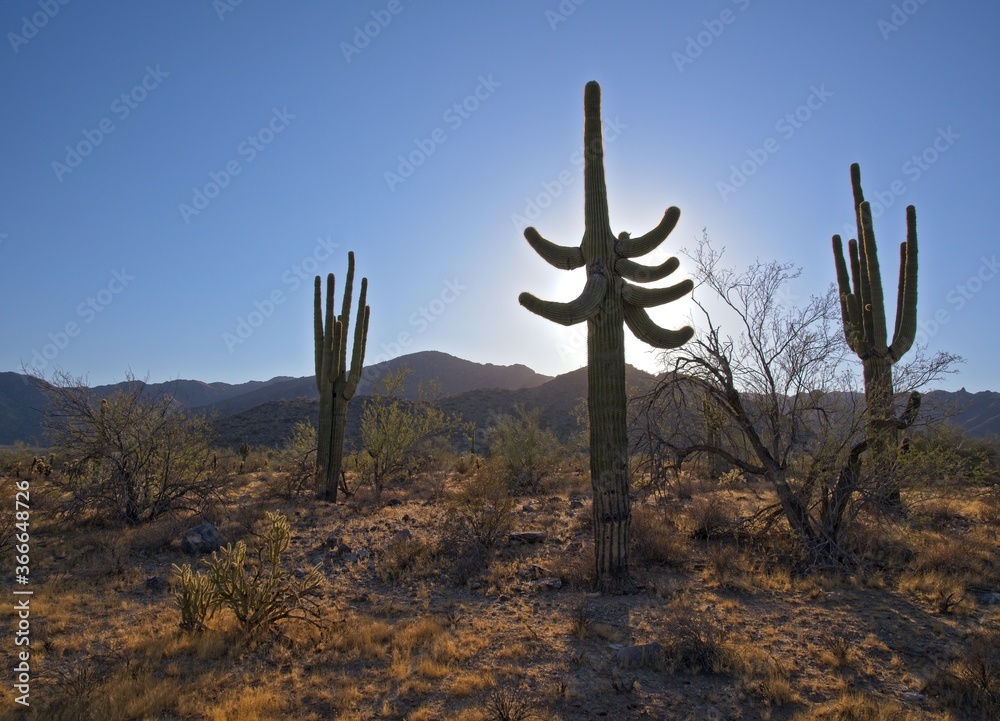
x=22 y=405
x=452 y=374
x=264 y=412
x=272 y=422
x=22 y=401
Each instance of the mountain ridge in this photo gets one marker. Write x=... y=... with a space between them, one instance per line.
x=264 y=411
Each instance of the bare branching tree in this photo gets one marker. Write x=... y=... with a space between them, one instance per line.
x=769 y=388
x=130 y=456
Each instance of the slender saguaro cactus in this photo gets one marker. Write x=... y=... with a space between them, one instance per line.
x=336 y=384
x=863 y=311
x=608 y=301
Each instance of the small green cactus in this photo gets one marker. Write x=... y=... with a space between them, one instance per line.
x=607 y=303
x=335 y=382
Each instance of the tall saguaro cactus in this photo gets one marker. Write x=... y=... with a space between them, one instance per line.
x=863 y=311
x=606 y=303
x=335 y=382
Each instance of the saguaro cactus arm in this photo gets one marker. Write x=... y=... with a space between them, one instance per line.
x=634 y=247
x=360 y=343
x=585 y=307
x=650 y=297
x=643 y=328
x=639 y=273
x=560 y=256
x=906 y=303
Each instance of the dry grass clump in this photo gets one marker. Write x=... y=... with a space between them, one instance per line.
x=858 y=706
x=711 y=516
x=971 y=681
x=656 y=538
x=694 y=642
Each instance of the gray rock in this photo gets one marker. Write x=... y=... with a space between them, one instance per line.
x=203 y=538
x=643 y=655
x=547 y=583
x=988 y=598
x=527 y=537
x=576 y=504
x=156 y=583
x=403 y=535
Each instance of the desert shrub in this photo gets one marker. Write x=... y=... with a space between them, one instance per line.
x=129 y=457
x=478 y=517
x=946 y=454
x=527 y=451
x=483 y=510
x=400 y=437
x=509 y=704
x=710 y=516
x=695 y=642
x=654 y=538
x=407 y=558
x=253 y=584
x=972 y=681
x=297 y=461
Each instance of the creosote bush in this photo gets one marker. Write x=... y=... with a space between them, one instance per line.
x=527 y=451
x=479 y=516
x=252 y=585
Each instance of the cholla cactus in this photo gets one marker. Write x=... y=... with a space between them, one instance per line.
x=607 y=303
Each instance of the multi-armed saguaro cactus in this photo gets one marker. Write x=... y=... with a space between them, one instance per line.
x=608 y=301
x=863 y=311
x=335 y=382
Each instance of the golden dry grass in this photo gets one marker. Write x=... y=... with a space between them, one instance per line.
x=746 y=632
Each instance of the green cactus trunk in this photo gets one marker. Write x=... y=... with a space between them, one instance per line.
x=607 y=303
x=336 y=384
x=863 y=310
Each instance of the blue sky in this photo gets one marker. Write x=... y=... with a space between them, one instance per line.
x=174 y=174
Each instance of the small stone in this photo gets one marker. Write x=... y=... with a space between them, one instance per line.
x=643 y=655
x=576 y=504
x=547 y=583
x=156 y=583
x=393 y=502
x=204 y=538
x=403 y=535
x=527 y=537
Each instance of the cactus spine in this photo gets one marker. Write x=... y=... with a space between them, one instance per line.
x=335 y=382
x=606 y=303
x=863 y=311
